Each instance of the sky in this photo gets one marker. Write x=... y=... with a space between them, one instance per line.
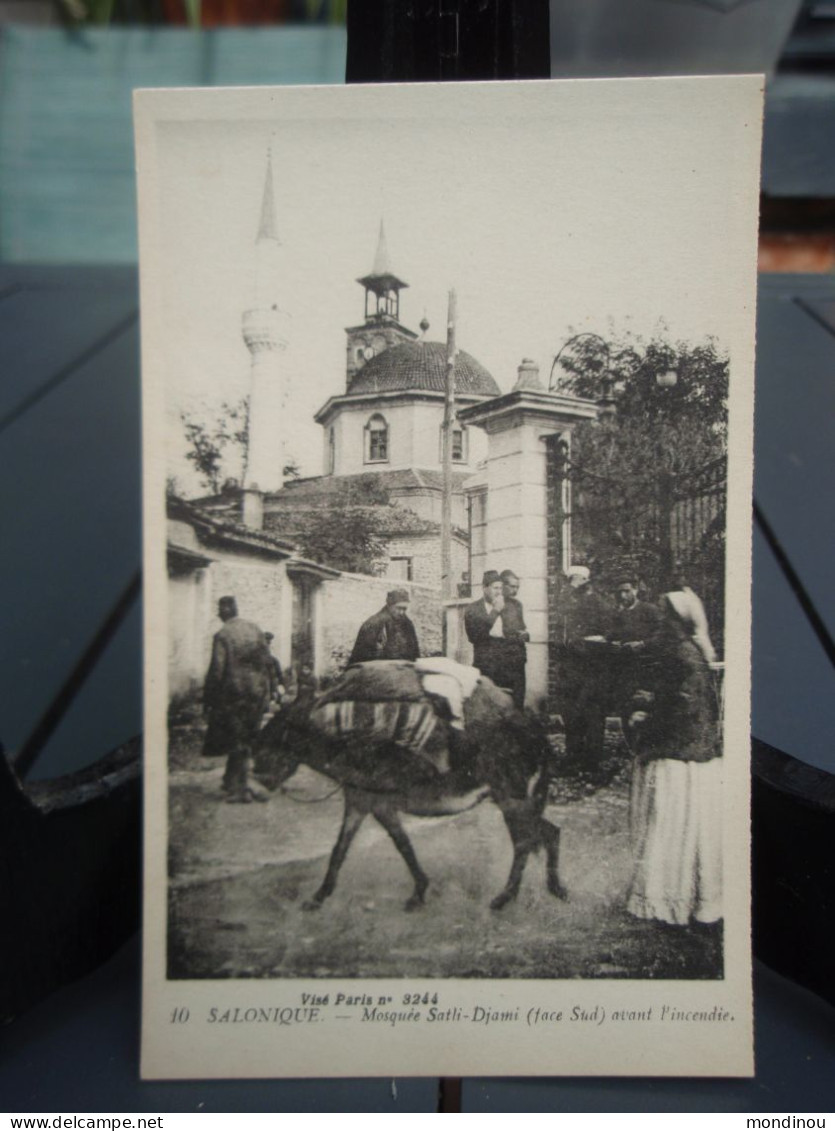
x=552 y=208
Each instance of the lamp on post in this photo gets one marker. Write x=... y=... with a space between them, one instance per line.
x=666 y=378
x=592 y=353
x=595 y=356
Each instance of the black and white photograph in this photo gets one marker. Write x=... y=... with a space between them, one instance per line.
x=448 y=405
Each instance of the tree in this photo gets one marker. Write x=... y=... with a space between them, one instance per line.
x=346 y=527
x=345 y=538
x=660 y=444
x=218 y=447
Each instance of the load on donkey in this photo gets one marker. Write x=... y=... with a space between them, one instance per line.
x=428 y=738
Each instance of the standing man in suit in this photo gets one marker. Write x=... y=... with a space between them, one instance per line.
x=236 y=693
x=516 y=636
x=483 y=625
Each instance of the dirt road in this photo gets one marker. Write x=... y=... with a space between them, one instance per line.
x=240 y=874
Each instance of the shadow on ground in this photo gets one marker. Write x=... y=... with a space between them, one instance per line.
x=239 y=875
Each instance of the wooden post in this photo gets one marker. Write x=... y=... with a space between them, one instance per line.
x=446 y=456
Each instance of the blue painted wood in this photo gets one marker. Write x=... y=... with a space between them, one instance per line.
x=106 y=712
x=69 y=500
x=793 y=682
x=285 y=56
x=823 y=310
x=67 y=178
x=795 y=429
x=798 y=154
x=78 y=1051
x=44 y=328
x=795 y=1047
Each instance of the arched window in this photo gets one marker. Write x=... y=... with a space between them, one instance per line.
x=376 y=440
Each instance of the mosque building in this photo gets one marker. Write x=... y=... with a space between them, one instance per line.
x=381 y=432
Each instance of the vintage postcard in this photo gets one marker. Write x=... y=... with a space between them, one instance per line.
x=448 y=403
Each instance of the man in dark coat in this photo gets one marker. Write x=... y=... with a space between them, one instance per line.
x=236 y=693
x=635 y=627
x=484 y=628
x=515 y=635
x=389 y=634
x=583 y=668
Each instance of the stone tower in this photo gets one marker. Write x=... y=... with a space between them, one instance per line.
x=382 y=326
x=264 y=328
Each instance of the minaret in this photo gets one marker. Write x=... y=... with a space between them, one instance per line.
x=382 y=326
x=264 y=328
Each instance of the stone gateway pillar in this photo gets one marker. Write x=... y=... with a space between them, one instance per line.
x=517 y=520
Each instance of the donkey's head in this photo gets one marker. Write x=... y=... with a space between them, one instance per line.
x=277 y=751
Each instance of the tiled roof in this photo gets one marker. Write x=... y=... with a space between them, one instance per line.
x=390 y=521
x=422 y=365
x=234 y=531
x=395 y=480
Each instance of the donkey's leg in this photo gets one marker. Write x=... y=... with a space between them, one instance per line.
x=550 y=835
x=521 y=823
x=389 y=818
x=353 y=817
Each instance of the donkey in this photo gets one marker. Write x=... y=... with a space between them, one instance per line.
x=503 y=755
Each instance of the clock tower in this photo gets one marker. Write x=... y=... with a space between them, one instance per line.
x=382 y=327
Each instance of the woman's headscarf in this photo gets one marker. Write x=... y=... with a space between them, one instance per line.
x=691 y=612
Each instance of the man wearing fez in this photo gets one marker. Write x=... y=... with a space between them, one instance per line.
x=389 y=634
x=236 y=693
x=484 y=628
x=516 y=636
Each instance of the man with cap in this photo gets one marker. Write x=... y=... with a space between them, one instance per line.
x=236 y=693
x=389 y=634
x=484 y=628
x=583 y=678
x=516 y=636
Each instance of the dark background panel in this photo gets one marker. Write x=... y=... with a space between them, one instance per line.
x=71 y=527
x=795 y=410
x=79 y=1052
x=795 y=1047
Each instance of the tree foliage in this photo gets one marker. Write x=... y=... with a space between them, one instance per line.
x=346 y=538
x=217 y=446
x=345 y=527
x=631 y=470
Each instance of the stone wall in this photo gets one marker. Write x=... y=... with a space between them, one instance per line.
x=263 y=592
x=346 y=601
x=425 y=553
x=261 y=588
x=189 y=612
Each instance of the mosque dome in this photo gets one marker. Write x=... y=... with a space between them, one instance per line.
x=421 y=366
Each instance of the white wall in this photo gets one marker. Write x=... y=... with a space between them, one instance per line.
x=414 y=438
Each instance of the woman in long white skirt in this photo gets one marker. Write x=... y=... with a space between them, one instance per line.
x=676 y=797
